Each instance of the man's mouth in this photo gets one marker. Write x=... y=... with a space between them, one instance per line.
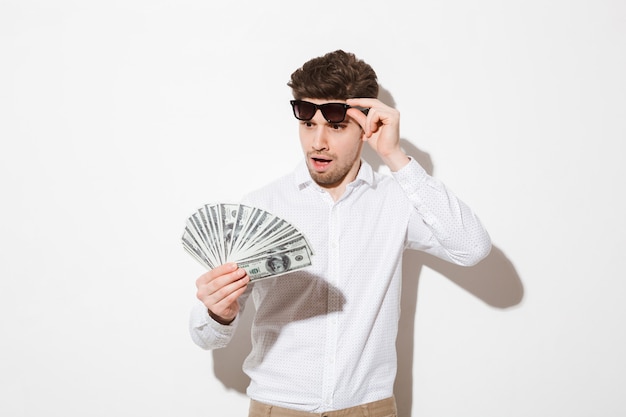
x=320 y=163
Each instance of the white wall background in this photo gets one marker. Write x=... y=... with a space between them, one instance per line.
x=119 y=118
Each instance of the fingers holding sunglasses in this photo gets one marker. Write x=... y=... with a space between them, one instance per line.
x=359 y=114
x=381 y=127
x=379 y=115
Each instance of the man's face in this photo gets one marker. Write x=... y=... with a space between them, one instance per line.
x=332 y=150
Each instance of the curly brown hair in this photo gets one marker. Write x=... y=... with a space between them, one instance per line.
x=335 y=75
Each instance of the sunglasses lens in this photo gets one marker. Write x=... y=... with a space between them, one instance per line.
x=334 y=112
x=303 y=110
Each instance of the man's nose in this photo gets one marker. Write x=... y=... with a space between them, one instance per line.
x=320 y=140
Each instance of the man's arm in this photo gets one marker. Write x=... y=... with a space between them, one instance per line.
x=212 y=321
x=453 y=231
x=442 y=224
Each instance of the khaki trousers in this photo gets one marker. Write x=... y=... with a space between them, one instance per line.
x=381 y=408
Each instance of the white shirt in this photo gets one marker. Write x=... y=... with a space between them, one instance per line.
x=323 y=338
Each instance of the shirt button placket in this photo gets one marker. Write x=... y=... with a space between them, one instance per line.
x=333 y=308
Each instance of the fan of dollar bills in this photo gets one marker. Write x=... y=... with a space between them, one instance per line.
x=258 y=241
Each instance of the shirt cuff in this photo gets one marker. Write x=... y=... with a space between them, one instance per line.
x=411 y=177
x=200 y=318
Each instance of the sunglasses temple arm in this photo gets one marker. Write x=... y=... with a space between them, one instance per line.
x=365 y=110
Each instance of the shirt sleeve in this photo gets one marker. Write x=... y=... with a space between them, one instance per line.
x=441 y=224
x=206 y=332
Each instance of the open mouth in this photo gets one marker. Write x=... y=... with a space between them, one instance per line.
x=320 y=163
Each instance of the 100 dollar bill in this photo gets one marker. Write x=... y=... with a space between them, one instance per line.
x=278 y=263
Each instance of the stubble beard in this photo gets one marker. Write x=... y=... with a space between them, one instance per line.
x=330 y=178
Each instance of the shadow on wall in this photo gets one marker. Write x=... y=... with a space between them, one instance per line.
x=494 y=281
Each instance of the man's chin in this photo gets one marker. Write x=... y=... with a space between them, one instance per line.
x=325 y=179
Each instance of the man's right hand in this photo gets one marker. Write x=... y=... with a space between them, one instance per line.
x=219 y=290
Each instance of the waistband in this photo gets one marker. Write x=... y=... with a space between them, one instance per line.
x=380 y=408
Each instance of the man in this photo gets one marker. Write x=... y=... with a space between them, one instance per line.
x=323 y=338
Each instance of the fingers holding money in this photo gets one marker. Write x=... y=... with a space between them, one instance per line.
x=219 y=289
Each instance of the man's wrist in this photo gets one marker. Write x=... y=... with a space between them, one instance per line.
x=220 y=320
x=396 y=161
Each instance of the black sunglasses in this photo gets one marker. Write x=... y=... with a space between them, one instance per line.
x=332 y=112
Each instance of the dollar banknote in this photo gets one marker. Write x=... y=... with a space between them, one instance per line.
x=258 y=241
x=276 y=263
